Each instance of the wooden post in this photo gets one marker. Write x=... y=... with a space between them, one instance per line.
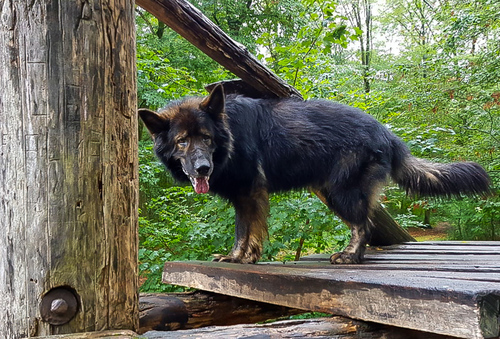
x=68 y=167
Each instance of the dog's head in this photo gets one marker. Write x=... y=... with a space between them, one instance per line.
x=191 y=136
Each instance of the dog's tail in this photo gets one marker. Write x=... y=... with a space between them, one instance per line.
x=424 y=178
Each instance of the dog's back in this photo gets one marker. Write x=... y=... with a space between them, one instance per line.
x=299 y=144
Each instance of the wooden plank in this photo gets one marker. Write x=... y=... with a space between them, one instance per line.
x=431 y=257
x=437 y=246
x=438 y=305
x=487 y=267
x=455 y=297
x=450 y=272
x=453 y=243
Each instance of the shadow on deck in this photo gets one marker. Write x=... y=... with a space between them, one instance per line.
x=450 y=288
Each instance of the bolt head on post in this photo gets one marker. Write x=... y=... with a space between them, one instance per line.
x=59 y=306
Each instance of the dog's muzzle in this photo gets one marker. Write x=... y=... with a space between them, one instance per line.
x=201 y=174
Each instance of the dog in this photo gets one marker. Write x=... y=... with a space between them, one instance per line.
x=242 y=149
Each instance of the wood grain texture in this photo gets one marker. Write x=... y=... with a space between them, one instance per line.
x=68 y=178
x=322 y=328
x=202 y=309
x=451 y=293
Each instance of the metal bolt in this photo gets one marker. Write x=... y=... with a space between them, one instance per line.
x=59 y=306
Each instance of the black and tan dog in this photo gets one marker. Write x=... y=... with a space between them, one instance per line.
x=243 y=149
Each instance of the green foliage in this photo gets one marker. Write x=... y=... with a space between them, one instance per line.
x=438 y=90
x=300 y=223
x=182 y=225
x=299 y=53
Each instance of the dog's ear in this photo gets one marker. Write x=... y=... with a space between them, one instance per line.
x=153 y=121
x=213 y=104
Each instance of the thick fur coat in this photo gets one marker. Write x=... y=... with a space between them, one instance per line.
x=243 y=149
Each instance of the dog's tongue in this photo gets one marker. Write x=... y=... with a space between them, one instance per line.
x=201 y=185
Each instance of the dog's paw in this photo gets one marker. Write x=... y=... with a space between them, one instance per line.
x=340 y=258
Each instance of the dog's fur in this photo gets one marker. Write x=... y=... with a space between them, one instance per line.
x=243 y=149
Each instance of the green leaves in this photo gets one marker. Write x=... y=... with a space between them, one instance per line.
x=437 y=87
x=301 y=222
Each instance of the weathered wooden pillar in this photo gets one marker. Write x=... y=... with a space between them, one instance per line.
x=68 y=167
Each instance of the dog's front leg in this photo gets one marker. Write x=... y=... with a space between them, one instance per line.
x=252 y=211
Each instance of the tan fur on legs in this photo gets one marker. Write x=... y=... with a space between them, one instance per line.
x=252 y=211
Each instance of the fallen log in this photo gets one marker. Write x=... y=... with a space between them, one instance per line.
x=173 y=311
x=321 y=328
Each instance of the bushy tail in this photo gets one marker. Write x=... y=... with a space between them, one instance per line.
x=424 y=178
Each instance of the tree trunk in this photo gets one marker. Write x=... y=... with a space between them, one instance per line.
x=68 y=167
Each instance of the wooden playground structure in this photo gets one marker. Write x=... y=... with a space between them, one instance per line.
x=69 y=195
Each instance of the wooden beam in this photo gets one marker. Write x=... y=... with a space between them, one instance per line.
x=195 y=27
x=448 y=289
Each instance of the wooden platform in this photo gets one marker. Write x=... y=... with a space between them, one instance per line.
x=450 y=288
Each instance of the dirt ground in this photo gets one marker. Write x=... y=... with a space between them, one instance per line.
x=437 y=233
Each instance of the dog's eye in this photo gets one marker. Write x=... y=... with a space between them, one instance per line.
x=182 y=142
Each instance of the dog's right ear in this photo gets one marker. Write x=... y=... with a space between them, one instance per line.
x=153 y=121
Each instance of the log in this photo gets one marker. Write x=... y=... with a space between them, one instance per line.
x=189 y=310
x=195 y=27
x=258 y=80
x=161 y=313
x=68 y=167
x=321 y=328
x=387 y=231
x=121 y=334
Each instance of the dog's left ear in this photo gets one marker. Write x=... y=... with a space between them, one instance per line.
x=153 y=121
x=213 y=104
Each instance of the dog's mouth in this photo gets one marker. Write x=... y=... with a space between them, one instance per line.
x=199 y=181
x=200 y=184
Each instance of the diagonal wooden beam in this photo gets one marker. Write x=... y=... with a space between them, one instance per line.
x=195 y=27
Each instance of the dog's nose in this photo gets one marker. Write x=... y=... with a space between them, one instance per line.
x=203 y=170
x=202 y=167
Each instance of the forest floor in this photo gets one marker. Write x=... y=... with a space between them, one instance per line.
x=438 y=233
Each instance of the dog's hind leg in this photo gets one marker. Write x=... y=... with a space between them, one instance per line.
x=354 y=207
x=252 y=211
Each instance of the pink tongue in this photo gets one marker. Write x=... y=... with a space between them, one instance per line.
x=201 y=185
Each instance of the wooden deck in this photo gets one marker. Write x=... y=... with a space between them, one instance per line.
x=449 y=288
